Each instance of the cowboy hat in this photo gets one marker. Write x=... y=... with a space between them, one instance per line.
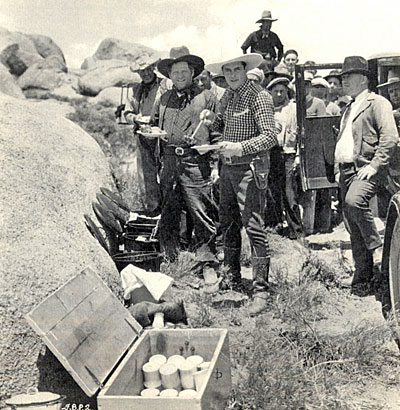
x=251 y=61
x=393 y=78
x=180 y=51
x=333 y=73
x=320 y=81
x=266 y=15
x=355 y=65
x=143 y=62
x=197 y=63
x=278 y=80
x=256 y=74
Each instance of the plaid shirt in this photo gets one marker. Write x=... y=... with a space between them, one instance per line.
x=247 y=116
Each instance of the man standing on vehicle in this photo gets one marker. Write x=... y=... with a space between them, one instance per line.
x=137 y=109
x=247 y=123
x=365 y=145
x=265 y=41
x=185 y=175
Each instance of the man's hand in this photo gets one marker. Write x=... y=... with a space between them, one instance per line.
x=366 y=172
x=230 y=149
x=130 y=118
x=207 y=116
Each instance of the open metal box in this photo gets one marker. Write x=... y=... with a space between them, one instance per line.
x=104 y=348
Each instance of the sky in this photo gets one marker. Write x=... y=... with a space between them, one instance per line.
x=322 y=31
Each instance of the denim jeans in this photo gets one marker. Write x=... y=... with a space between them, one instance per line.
x=358 y=217
x=242 y=204
x=186 y=185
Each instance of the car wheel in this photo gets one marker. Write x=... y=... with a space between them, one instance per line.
x=394 y=274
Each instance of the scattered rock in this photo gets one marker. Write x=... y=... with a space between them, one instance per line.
x=8 y=85
x=50 y=173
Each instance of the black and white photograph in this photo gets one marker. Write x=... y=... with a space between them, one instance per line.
x=200 y=205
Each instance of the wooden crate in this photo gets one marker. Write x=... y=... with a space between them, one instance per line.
x=104 y=348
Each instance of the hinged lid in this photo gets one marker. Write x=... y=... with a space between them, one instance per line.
x=86 y=327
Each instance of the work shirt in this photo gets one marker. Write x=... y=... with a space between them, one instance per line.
x=345 y=144
x=264 y=44
x=315 y=107
x=247 y=116
x=217 y=91
x=142 y=99
x=286 y=116
x=332 y=109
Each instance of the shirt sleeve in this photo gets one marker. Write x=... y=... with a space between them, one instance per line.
x=320 y=108
x=263 y=113
x=279 y=46
x=248 y=42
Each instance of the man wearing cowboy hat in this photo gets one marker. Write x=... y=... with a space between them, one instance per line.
x=283 y=180
x=393 y=88
x=138 y=106
x=246 y=121
x=364 y=147
x=264 y=41
x=186 y=175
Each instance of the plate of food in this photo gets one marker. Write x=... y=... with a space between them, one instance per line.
x=202 y=149
x=152 y=132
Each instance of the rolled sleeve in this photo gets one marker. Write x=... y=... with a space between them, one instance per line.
x=263 y=113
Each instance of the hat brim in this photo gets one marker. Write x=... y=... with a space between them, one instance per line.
x=278 y=80
x=197 y=63
x=265 y=19
x=251 y=61
x=143 y=67
x=388 y=83
x=275 y=74
x=332 y=76
x=355 y=71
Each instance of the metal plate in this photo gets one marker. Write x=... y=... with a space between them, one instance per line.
x=86 y=327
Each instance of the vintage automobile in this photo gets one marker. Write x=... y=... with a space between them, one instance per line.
x=317 y=140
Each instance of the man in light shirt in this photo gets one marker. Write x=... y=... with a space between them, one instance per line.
x=366 y=142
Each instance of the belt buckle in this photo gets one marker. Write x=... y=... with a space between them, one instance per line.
x=179 y=151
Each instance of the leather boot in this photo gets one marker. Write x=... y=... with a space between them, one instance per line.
x=232 y=261
x=260 y=285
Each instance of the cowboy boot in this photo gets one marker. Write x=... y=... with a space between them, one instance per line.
x=232 y=262
x=260 y=285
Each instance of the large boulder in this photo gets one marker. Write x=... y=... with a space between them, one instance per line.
x=50 y=173
x=106 y=73
x=114 y=49
x=110 y=95
x=46 y=47
x=8 y=85
x=19 y=51
x=45 y=75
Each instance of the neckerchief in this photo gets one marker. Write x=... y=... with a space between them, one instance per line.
x=144 y=89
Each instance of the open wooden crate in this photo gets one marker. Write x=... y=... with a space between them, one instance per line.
x=104 y=348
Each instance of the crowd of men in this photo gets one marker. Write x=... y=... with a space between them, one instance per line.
x=230 y=157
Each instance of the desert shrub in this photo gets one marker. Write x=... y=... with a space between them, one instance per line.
x=117 y=143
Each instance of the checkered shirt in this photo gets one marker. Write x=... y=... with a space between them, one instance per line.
x=247 y=116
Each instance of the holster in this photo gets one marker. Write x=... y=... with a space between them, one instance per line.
x=260 y=168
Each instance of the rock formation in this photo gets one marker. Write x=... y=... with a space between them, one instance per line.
x=50 y=173
x=8 y=85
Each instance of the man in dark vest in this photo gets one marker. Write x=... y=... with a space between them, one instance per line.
x=186 y=174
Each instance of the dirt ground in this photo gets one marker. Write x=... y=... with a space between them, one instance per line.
x=342 y=315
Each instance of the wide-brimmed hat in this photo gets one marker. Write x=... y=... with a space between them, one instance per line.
x=251 y=61
x=320 y=81
x=197 y=63
x=266 y=15
x=393 y=78
x=256 y=74
x=333 y=73
x=278 y=80
x=143 y=62
x=180 y=51
x=355 y=65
